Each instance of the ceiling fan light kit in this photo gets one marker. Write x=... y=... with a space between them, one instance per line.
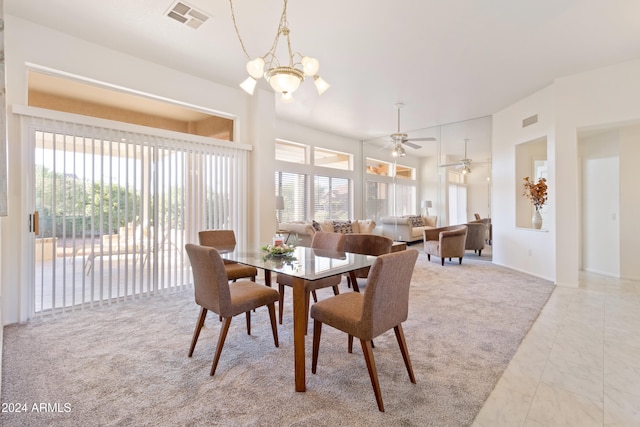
x=400 y=139
x=463 y=163
x=284 y=79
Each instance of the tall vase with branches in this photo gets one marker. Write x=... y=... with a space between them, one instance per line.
x=536 y=192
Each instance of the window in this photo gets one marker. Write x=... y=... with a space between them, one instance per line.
x=291 y=152
x=378 y=167
x=318 y=187
x=332 y=159
x=457 y=204
x=385 y=196
x=405 y=200
x=332 y=198
x=292 y=186
x=405 y=172
x=377 y=200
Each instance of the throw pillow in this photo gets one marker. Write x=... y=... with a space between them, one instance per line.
x=416 y=221
x=343 y=227
x=316 y=225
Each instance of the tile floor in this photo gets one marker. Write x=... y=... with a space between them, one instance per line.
x=579 y=365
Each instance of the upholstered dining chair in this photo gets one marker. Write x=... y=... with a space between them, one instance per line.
x=365 y=244
x=213 y=292
x=445 y=242
x=216 y=238
x=321 y=240
x=382 y=306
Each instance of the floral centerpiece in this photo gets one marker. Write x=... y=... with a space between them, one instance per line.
x=536 y=192
x=278 y=250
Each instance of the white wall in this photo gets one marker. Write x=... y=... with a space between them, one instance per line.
x=525 y=249
x=606 y=96
x=629 y=202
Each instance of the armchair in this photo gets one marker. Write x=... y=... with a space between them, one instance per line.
x=476 y=235
x=445 y=242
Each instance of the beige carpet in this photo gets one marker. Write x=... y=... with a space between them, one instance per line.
x=127 y=364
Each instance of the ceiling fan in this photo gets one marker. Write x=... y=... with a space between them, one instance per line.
x=400 y=139
x=463 y=163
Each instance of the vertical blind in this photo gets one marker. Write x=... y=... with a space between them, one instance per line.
x=116 y=208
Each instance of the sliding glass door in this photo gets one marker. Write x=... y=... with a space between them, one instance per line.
x=116 y=208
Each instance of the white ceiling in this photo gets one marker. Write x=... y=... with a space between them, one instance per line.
x=446 y=60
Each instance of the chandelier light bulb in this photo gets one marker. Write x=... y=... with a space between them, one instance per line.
x=284 y=82
x=249 y=85
x=310 y=66
x=287 y=98
x=255 y=68
x=321 y=84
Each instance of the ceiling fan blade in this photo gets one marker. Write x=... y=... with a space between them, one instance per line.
x=412 y=145
x=427 y=138
x=451 y=164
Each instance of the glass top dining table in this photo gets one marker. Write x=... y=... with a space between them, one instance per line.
x=302 y=264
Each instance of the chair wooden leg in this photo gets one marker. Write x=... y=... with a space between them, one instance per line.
x=196 y=332
x=373 y=373
x=248 y=314
x=479 y=252
x=280 y=302
x=223 y=335
x=354 y=281
x=336 y=290
x=428 y=257
x=405 y=352
x=317 y=330
x=315 y=297
x=460 y=260
x=442 y=259
x=350 y=344
x=274 y=327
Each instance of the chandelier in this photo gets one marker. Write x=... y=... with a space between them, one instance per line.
x=284 y=78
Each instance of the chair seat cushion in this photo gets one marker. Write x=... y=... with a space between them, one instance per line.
x=343 y=312
x=247 y=295
x=239 y=271
x=432 y=247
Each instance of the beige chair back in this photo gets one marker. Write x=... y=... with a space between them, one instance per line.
x=209 y=279
x=325 y=240
x=217 y=238
x=386 y=299
x=367 y=244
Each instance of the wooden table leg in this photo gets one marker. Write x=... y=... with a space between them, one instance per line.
x=267 y=278
x=354 y=281
x=299 y=329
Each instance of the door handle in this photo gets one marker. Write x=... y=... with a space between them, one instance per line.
x=34 y=223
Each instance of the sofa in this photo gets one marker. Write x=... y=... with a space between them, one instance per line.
x=407 y=228
x=301 y=232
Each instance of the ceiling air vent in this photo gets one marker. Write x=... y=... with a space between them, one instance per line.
x=188 y=15
x=530 y=121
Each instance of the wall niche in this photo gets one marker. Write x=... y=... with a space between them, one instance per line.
x=531 y=161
